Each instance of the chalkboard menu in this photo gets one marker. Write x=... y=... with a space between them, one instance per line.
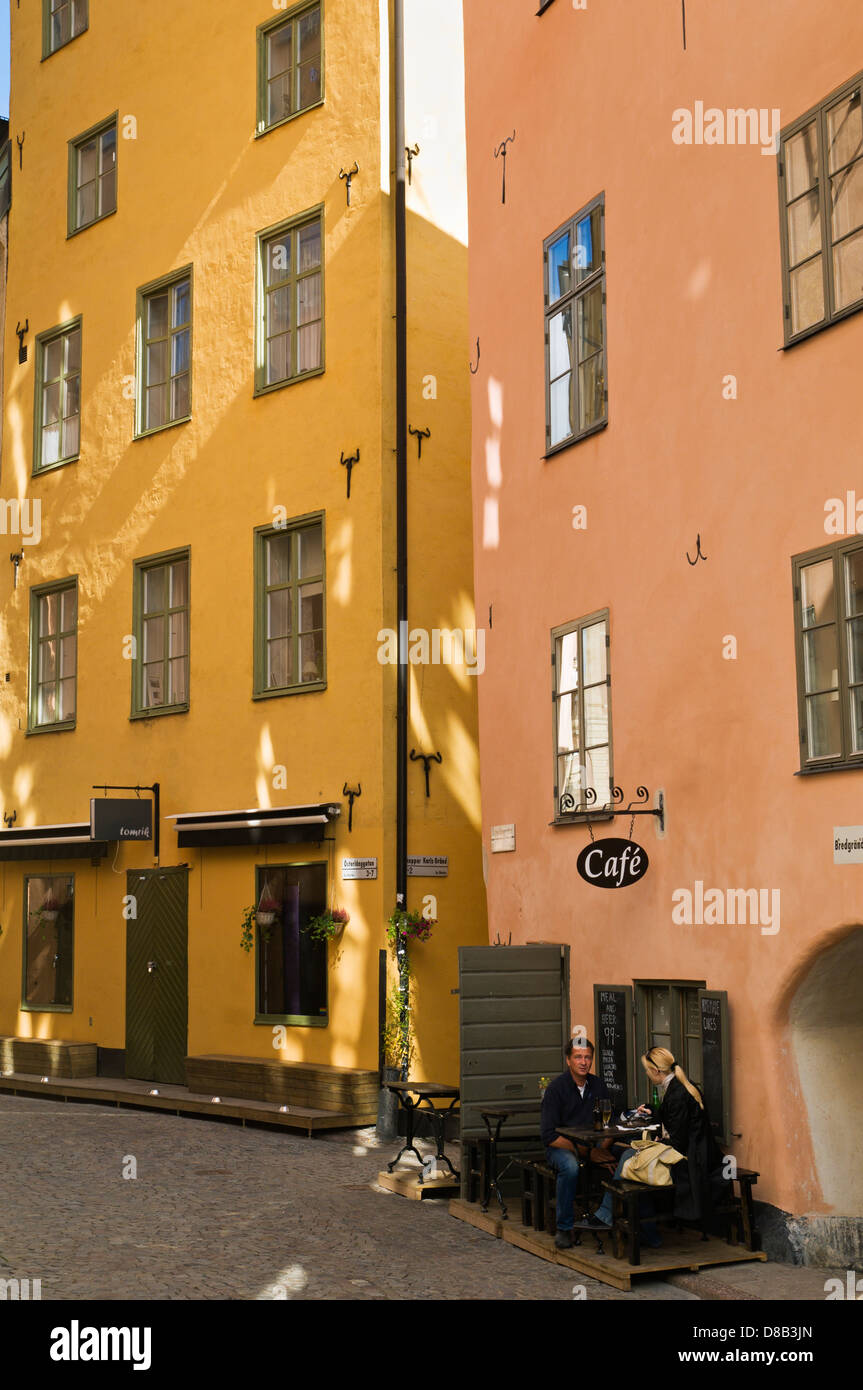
x=713 y=1004
x=612 y=1006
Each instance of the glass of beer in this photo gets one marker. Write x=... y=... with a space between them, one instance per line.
x=606 y=1113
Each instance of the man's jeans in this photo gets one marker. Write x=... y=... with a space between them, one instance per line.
x=565 y=1163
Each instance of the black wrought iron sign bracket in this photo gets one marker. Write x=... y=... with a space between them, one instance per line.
x=352 y=796
x=568 y=805
x=427 y=759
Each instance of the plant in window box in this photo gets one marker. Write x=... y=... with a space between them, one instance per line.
x=328 y=926
x=408 y=926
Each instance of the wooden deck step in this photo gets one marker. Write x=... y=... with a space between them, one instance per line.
x=179 y=1100
x=313 y=1084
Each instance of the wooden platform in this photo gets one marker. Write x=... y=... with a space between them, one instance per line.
x=407 y=1184
x=179 y=1100
x=47 y=1057
x=679 y=1251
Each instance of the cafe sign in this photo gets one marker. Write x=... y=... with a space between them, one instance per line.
x=612 y=863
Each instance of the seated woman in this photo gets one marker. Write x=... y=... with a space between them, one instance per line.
x=687 y=1124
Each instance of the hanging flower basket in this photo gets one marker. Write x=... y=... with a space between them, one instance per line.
x=268 y=908
x=50 y=909
x=328 y=926
x=408 y=926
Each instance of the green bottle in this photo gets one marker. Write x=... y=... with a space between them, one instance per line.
x=654 y=1098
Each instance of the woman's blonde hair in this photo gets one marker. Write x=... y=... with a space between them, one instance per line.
x=662 y=1060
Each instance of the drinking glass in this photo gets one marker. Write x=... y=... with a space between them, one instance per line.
x=606 y=1113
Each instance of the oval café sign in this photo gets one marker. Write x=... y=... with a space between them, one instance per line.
x=612 y=863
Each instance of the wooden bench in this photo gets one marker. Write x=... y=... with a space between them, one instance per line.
x=47 y=1057
x=739 y=1208
x=539 y=1200
x=346 y=1091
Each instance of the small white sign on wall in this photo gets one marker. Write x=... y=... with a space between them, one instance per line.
x=502 y=838
x=848 y=844
x=359 y=868
x=428 y=866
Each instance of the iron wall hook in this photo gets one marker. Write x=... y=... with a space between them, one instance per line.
x=10 y=819
x=411 y=156
x=501 y=150
x=426 y=759
x=16 y=560
x=475 y=369
x=699 y=553
x=352 y=796
x=347 y=175
x=21 y=333
x=348 y=463
x=420 y=436
x=20 y=142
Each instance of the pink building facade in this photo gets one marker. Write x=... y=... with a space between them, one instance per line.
x=668 y=505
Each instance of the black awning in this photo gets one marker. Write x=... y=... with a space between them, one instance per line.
x=273 y=825
x=70 y=841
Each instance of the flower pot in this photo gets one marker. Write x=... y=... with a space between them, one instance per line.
x=265 y=919
x=50 y=915
x=387 y=1127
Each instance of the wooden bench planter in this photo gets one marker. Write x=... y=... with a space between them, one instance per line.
x=346 y=1091
x=47 y=1057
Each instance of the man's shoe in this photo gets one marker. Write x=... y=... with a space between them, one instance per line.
x=563 y=1240
x=593 y=1223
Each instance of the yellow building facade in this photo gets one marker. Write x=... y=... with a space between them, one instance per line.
x=203 y=588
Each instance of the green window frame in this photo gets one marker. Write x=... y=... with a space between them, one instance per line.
x=62 y=21
x=291 y=975
x=161 y=626
x=581 y=727
x=828 y=627
x=576 y=378
x=164 y=353
x=290 y=65
x=57 y=405
x=290 y=301
x=92 y=176
x=290 y=653
x=820 y=170
x=48 y=950
x=52 y=704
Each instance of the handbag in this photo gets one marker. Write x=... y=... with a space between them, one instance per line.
x=651 y=1163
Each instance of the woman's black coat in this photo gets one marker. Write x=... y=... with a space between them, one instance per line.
x=689 y=1132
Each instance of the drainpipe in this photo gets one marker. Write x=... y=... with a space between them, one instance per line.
x=401 y=506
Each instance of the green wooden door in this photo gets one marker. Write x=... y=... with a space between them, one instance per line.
x=157 y=975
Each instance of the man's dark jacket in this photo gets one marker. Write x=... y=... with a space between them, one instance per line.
x=697 y=1181
x=563 y=1107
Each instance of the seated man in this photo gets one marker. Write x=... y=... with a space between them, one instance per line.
x=568 y=1104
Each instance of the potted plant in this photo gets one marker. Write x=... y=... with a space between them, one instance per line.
x=267 y=908
x=251 y=916
x=328 y=926
x=408 y=926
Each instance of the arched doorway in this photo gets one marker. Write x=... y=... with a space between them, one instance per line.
x=826 y=1018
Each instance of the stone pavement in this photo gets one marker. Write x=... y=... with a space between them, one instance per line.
x=216 y=1211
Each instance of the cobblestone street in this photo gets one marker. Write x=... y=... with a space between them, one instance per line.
x=221 y=1212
